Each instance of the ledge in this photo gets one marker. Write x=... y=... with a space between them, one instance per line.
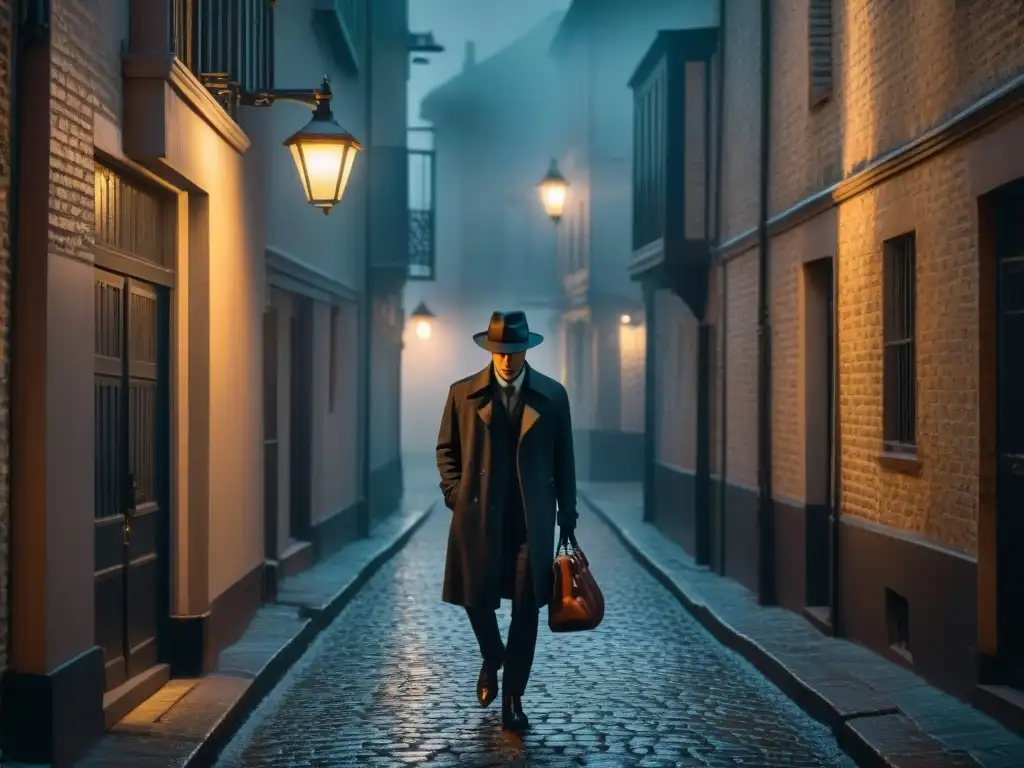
x=168 y=68
x=904 y=463
x=646 y=258
x=289 y=273
x=960 y=126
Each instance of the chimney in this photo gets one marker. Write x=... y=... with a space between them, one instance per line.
x=470 y=60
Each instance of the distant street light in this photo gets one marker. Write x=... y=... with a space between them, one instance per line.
x=422 y=316
x=324 y=153
x=553 y=188
x=626 y=319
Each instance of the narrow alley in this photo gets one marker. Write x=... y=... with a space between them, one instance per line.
x=391 y=682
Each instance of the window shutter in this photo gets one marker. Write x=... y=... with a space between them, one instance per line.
x=820 y=50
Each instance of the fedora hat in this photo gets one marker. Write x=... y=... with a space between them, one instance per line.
x=508 y=332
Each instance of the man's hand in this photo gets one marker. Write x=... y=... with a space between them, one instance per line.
x=565 y=532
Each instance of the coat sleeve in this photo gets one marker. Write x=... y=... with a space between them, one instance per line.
x=449 y=451
x=565 y=468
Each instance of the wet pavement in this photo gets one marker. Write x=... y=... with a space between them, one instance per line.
x=391 y=682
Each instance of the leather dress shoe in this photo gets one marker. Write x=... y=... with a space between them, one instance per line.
x=512 y=716
x=487 y=684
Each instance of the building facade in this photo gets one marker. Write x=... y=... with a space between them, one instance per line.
x=161 y=246
x=496 y=249
x=597 y=46
x=864 y=300
x=314 y=321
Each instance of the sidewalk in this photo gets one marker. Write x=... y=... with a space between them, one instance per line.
x=187 y=722
x=881 y=713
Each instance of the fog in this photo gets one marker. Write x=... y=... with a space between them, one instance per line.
x=503 y=100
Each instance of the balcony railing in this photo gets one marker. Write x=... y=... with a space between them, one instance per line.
x=228 y=44
x=422 y=194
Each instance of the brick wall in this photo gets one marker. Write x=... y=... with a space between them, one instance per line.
x=788 y=429
x=676 y=382
x=632 y=355
x=741 y=368
x=73 y=98
x=5 y=305
x=908 y=66
x=740 y=116
x=900 y=69
x=806 y=142
x=942 y=502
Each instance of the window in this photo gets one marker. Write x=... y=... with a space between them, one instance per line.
x=820 y=50
x=333 y=357
x=899 y=370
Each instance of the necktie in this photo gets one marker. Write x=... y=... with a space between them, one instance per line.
x=510 y=395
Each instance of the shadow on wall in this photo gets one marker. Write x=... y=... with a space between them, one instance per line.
x=430 y=366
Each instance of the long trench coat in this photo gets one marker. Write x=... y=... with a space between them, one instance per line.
x=547 y=478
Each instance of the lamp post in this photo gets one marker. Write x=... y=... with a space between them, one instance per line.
x=553 y=188
x=421 y=317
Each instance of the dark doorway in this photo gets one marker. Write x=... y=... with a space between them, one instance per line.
x=819 y=329
x=130 y=396
x=301 y=422
x=1009 y=249
x=271 y=451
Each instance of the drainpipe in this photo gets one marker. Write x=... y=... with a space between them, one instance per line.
x=30 y=31
x=650 y=406
x=364 y=517
x=836 y=494
x=723 y=457
x=765 y=503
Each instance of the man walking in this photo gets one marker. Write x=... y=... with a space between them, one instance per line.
x=505 y=456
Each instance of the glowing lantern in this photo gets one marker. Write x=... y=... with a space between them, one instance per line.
x=553 y=188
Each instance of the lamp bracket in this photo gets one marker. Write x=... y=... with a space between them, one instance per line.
x=221 y=85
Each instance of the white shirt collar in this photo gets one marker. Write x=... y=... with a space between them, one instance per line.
x=517 y=382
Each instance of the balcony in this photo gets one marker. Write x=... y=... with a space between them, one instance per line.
x=227 y=44
x=672 y=99
x=422 y=193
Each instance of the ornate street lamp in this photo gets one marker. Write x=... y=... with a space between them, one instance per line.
x=324 y=153
x=553 y=188
x=422 y=316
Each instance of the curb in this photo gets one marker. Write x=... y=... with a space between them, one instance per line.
x=318 y=619
x=847 y=735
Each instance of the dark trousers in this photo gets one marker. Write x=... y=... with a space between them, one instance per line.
x=517 y=654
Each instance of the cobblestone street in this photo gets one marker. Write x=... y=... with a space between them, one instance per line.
x=391 y=682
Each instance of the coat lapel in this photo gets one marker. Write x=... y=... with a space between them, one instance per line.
x=531 y=413
x=530 y=417
x=533 y=395
x=485 y=411
x=478 y=390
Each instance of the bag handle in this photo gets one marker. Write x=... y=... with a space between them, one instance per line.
x=572 y=549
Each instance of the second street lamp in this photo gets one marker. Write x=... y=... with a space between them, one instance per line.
x=553 y=188
x=422 y=316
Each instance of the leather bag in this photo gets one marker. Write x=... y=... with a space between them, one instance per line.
x=577 y=603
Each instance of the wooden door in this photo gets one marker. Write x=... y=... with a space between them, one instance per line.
x=301 y=422
x=130 y=481
x=1009 y=216
x=270 y=441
